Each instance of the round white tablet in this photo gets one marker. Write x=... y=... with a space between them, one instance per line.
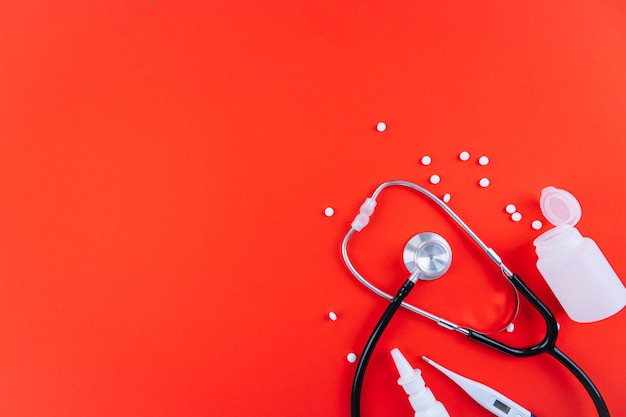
x=434 y=179
x=329 y=211
x=537 y=224
x=510 y=208
x=517 y=216
x=351 y=357
x=510 y=328
x=332 y=316
x=381 y=126
x=483 y=160
x=464 y=156
x=484 y=182
x=426 y=160
x=446 y=198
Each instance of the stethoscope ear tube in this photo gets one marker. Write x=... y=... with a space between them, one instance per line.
x=548 y=341
x=547 y=345
x=363 y=218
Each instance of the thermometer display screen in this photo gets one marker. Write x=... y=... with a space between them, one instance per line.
x=501 y=406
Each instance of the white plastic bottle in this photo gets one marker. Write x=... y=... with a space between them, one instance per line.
x=573 y=266
x=420 y=396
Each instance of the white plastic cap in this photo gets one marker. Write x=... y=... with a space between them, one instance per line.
x=421 y=397
x=560 y=207
x=410 y=379
x=437 y=410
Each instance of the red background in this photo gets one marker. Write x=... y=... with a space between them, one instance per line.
x=164 y=167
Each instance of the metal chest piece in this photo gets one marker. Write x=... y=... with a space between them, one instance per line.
x=429 y=253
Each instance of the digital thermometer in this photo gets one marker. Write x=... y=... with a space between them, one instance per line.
x=487 y=397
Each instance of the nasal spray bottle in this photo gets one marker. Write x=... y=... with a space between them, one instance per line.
x=421 y=398
x=573 y=266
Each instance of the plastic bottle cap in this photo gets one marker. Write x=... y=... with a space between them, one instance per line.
x=559 y=207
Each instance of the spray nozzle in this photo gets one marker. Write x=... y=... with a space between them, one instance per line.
x=421 y=398
x=410 y=379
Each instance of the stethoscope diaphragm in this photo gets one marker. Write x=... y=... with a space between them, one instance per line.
x=428 y=253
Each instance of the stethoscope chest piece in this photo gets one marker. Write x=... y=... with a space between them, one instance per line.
x=429 y=253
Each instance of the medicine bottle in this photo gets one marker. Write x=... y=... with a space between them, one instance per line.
x=573 y=266
x=420 y=396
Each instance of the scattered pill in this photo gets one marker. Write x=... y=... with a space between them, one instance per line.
x=510 y=208
x=381 y=126
x=484 y=182
x=351 y=357
x=483 y=160
x=426 y=160
x=464 y=156
x=446 y=198
x=329 y=211
x=434 y=179
x=517 y=216
x=332 y=316
x=536 y=224
x=510 y=327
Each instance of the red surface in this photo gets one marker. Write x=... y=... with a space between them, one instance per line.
x=164 y=167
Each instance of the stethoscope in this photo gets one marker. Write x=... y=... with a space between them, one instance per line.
x=427 y=256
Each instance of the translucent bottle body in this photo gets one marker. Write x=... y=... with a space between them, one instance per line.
x=579 y=275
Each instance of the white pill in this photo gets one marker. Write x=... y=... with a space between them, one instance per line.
x=510 y=208
x=484 y=182
x=446 y=198
x=517 y=216
x=351 y=357
x=510 y=328
x=434 y=179
x=536 y=224
x=464 y=156
x=426 y=160
x=332 y=316
x=381 y=126
x=483 y=160
x=329 y=211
